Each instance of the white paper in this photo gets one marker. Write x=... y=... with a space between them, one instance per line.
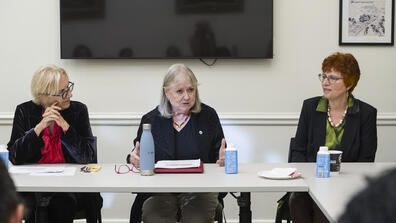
x=36 y=169
x=176 y=164
x=68 y=171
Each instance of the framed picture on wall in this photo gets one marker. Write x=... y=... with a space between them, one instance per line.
x=366 y=22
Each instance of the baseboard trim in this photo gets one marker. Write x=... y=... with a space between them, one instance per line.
x=231 y=119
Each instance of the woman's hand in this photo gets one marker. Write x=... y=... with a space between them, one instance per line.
x=51 y=115
x=135 y=156
x=60 y=121
x=221 y=159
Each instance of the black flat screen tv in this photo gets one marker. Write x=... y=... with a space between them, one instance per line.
x=112 y=29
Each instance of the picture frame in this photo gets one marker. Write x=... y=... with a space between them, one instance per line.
x=368 y=22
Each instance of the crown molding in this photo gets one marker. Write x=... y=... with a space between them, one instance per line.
x=228 y=119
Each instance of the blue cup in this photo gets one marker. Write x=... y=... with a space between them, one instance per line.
x=4 y=154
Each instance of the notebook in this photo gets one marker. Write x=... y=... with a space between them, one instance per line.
x=179 y=166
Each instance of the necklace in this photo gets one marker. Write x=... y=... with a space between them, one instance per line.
x=340 y=122
x=179 y=126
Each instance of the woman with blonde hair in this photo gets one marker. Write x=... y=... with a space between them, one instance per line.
x=53 y=129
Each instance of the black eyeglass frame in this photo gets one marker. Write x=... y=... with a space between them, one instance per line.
x=64 y=94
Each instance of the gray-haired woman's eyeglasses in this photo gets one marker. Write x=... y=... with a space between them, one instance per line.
x=66 y=91
x=332 y=79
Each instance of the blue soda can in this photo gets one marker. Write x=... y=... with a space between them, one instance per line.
x=231 y=160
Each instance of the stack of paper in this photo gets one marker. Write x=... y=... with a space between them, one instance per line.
x=43 y=171
x=177 y=164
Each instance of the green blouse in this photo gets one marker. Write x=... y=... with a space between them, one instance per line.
x=333 y=135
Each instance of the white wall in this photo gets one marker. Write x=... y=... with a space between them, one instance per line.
x=258 y=100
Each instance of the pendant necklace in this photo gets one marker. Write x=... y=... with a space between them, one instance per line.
x=179 y=126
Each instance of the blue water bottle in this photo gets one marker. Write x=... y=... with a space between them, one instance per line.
x=323 y=163
x=147 y=152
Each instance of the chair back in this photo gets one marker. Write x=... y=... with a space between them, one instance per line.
x=82 y=214
x=95 y=149
x=282 y=212
x=291 y=146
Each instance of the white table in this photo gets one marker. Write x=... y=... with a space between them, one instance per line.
x=333 y=194
x=212 y=180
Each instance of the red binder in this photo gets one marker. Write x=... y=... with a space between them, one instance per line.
x=199 y=169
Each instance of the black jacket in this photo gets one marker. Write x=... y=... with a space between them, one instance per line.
x=77 y=144
x=208 y=131
x=359 y=141
x=209 y=134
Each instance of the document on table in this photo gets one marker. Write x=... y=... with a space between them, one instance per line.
x=176 y=164
x=44 y=171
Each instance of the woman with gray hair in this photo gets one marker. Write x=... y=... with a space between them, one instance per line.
x=182 y=128
x=53 y=129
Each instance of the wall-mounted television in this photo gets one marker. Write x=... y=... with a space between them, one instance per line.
x=109 y=29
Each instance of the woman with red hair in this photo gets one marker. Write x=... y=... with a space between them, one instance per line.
x=337 y=120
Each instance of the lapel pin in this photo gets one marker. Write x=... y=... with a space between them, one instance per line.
x=200 y=132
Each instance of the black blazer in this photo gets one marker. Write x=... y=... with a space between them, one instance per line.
x=208 y=130
x=359 y=141
x=77 y=144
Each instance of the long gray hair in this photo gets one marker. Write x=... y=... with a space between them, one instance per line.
x=176 y=73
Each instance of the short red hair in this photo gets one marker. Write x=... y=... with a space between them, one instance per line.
x=347 y=65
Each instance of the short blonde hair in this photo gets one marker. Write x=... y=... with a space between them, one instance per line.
x=174 y=76
x=46 y=80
